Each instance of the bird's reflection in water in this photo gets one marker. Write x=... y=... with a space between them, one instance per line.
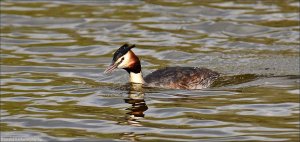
x=138 y=105
x=135 y=111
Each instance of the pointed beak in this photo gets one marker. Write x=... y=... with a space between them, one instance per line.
x=111 y=68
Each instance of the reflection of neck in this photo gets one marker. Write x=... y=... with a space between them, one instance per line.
x=136 y=98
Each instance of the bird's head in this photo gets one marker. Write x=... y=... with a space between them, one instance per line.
x=123 y=58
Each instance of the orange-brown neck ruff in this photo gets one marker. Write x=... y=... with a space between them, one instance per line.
x=134 y=65
x=134 y=69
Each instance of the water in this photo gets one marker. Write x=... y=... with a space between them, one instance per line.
x=53 y=54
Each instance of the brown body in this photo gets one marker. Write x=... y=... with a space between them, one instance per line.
x=181 y=78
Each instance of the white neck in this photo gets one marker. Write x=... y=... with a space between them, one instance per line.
x=136 y=77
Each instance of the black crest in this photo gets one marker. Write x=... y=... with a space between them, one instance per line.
x=122 y=51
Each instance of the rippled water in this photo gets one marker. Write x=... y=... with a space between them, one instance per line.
x=53 y=54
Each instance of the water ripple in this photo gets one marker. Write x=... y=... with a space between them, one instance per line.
x=53 y=54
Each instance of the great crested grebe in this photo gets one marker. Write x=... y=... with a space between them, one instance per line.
x=169 y=77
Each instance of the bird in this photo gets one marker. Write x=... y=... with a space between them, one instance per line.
x=176 y=77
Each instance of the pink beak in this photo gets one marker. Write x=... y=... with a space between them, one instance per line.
x=111 y=68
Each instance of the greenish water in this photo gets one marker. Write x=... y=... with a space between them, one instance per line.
x=53 y=54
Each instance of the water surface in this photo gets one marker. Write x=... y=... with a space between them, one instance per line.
x=53 y=54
